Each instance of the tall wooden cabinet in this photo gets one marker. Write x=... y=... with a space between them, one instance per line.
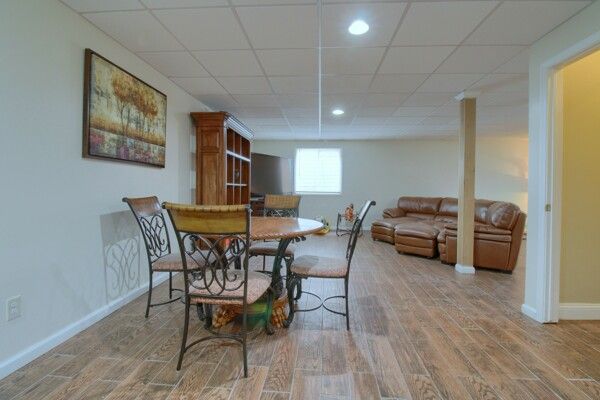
x=222 y=159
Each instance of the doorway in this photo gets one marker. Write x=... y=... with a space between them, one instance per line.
x=574 y=180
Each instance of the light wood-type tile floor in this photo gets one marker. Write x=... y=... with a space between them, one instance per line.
x=419 y=331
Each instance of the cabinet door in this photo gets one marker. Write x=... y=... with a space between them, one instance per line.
x=210 y=164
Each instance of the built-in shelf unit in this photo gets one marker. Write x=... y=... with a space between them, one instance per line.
x=222 y=159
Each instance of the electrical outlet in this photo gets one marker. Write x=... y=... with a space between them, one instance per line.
x=13 y=308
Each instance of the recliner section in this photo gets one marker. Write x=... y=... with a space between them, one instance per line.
x=427 y=226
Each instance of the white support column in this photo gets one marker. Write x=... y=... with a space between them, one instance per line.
x=466 y=184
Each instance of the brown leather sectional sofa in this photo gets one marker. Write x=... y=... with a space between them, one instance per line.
x=426 y=226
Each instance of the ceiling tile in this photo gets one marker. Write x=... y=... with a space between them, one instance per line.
x=382 y=18
x=519 y=64
x=302 y=122
x=502 y=99
x=105 y=5
x=414 y=111
x=428 y=99
x=183 y=3
x=277 y=120
x=220 y=102
x=180 y=64
x=440 y=120
x=203 y=28
x=396 y=83
x=347 y=102
x=298 y=100
x=136 y=30
x=385 y=99
x=523 y=22
x=199 y=86
x=229 y=62
x=346 y=83
x=245 y=84
x=261 y=112
x=398 y=121
x=414 y=60
x=441 y=23
x=376 y=111
x=270 y=2
x=300 y=112
x=478 y=59
x=330 y=120
x=289 y=61
x=450 y=109
x=280 y=26
x=294 y=84
x=503 y=83
x=256 y=100
x=352 y=60
x=449 y=82
x=369 y=121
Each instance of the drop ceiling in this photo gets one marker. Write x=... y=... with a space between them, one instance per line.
x=276 y=63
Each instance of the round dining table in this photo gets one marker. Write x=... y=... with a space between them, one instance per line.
x=285 y=230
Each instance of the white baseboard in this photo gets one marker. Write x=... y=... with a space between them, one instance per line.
x=464 y=269
x=15 y=362
x=529 y=311
x=579 y=311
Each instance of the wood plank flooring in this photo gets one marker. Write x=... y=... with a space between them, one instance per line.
x=419 y=331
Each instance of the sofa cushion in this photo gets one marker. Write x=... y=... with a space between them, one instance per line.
x=503 y=215
x=417 y=229
x=482 y=232
x=481 y=210
x=419 y=205
x=446 y=219
x=448 y=207
x=392 y=222
x=482 y=228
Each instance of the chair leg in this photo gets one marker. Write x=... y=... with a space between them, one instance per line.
x=264 y=263
x=347 y=308
x=170 y=285
x=185 y=332
x=291 y=281
x=298 y=290
x=149 y=294
x=244 y=335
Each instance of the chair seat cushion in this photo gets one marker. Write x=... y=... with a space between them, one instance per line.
x=257 y=286
x=172 y=262
x=270 y=249
x=320 y=266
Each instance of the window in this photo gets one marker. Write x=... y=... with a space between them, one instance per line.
x=318 y=171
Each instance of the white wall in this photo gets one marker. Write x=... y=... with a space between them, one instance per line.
x=61 y=215
x=383 y=170
x=558 y=44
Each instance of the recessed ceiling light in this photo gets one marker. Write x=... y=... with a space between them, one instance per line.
x=358 y=27
x=337 y=111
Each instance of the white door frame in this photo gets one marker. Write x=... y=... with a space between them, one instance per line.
x=550 y=150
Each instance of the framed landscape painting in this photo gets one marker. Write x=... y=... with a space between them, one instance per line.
x=124 y=118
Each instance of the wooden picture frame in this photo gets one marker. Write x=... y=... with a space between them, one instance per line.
x=124 y=118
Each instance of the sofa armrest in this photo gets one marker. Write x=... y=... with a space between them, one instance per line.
x=393 y=213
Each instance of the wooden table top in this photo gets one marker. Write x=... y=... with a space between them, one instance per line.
x=279 y=228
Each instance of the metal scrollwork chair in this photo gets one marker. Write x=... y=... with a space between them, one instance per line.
x=215 y=239
x=311 y=266
x=151 y=221
x=277 y=205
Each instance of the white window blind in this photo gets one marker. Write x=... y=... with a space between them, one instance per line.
x=318 y=171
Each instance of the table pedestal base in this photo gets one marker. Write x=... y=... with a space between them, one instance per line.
x=225 y=314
